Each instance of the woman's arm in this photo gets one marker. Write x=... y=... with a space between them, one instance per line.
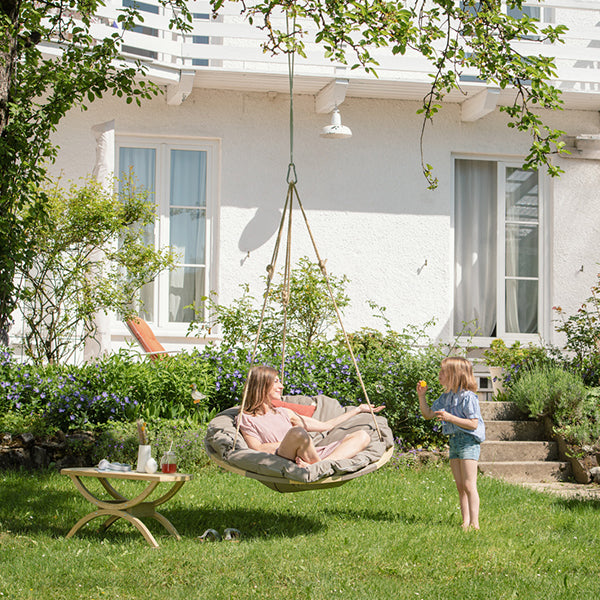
x=255 y=444
x=311 y=424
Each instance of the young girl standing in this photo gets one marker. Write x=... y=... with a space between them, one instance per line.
x=458 y=410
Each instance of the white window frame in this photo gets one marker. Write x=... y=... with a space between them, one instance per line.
x=163 y=145
x=544 y=252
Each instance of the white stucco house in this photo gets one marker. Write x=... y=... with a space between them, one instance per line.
x=492 y=242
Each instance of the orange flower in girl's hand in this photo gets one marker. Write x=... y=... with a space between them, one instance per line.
x=422 y=383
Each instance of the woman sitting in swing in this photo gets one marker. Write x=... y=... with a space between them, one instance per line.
x=280 y=431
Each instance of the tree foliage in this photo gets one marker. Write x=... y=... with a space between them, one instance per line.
x=89 y=255
x=454 y=36
x=50 y=63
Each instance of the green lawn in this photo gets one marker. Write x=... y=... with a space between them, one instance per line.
x=394 y=534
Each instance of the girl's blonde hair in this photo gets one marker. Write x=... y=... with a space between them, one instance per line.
x=258 y=383
x=459 y=374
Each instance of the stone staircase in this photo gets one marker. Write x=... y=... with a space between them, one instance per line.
x=517 y=449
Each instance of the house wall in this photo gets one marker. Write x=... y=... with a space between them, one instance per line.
x=371 y=213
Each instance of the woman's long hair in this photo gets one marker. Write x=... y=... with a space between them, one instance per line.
x=258 y=383
x=459 y=374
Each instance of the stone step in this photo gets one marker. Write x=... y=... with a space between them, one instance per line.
x=526 y=471
x=516 y=447
x=512 y=431
x=493 y=451
x=502 y=411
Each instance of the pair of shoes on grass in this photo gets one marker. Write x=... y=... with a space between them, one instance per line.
x=212 y=535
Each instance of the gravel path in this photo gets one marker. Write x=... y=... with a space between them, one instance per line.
x=580 y=491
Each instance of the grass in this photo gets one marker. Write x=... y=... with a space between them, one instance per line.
x=394 y=534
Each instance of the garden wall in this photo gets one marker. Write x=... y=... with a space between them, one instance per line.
x=25 y=451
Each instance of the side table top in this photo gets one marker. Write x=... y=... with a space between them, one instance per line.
x=131 y=475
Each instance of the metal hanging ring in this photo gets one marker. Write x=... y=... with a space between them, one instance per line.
x=292 y=172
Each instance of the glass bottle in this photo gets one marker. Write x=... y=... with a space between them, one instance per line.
x=168 y=462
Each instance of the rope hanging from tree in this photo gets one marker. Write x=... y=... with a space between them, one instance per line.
x=292 y=195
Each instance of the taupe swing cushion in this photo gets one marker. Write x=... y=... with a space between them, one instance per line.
x=222 y=429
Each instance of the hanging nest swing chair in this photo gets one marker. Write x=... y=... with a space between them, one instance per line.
x=223 y=442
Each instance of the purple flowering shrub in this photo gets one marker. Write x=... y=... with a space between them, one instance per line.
x=391 y=364
x=115 y=388
x=119 y=388
x=318 y=370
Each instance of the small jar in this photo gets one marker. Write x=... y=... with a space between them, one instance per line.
x=168 y=462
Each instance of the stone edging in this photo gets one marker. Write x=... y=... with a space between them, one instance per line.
x=26 y=451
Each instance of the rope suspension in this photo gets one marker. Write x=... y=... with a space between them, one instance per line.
x=292 y=195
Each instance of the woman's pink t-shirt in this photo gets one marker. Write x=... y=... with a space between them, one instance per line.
x=268 y=428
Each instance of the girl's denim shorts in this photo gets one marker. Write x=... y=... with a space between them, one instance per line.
x=464 y=445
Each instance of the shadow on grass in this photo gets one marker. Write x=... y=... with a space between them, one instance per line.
x=28 y=506
x=252 y=523
x=363 y=514
x=577 y=502
x=387 y=516
x=191 y=524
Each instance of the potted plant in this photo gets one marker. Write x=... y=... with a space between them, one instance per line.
x=497 y=376
x=506 y=362
x=569 y=411
x=497 y=357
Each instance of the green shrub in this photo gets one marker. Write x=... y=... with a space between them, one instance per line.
x=78 y=268
x=553 y=392
x=117 y=442
x=582 y=428
x=515 y=359
x=392 y=379
x=154 y=388
x=391 y=364
x=15 y=422
x=310 y=312
x=582 y=331
x=187 y=443
x=118 y=388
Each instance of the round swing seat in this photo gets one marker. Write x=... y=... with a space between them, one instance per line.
x=284 y=475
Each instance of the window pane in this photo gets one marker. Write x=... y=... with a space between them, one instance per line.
x=146 y=310
x=521 y=251
x=188 y=178
x=521 y=195
x=141 y=6
x=533 y=12
x=188 y=235
x=521 y=306
x=140 y=164
x=186 y=287
x=137 y=169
